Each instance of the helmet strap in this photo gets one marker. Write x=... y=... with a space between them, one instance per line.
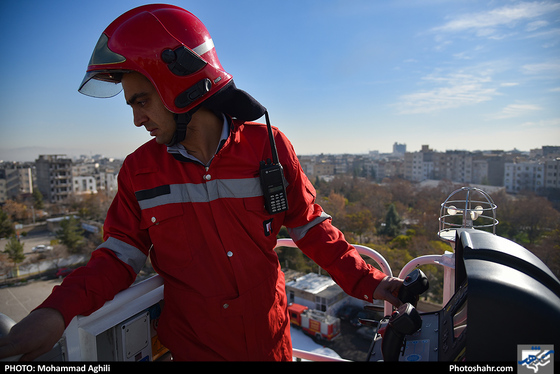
x=181 y=120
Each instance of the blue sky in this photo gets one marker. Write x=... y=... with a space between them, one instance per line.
x=348 y=76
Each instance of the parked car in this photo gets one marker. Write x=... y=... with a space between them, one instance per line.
x=42 y=248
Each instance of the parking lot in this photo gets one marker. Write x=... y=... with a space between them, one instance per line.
x=17 y=301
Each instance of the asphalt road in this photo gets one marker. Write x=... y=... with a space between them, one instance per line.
x=35 y=236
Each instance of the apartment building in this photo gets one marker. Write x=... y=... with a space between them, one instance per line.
x=3 y=194
x=57 y=177
x=521 y=176
x=457 y=166
x=418 y=166
x=84 y=185
x=552 y=173
x=91 y=177
x=54 y=177
x=9 y=185
x=15 y=179
x=453 y=165
x=371 y=166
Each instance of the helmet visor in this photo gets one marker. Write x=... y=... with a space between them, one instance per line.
x=101 y=84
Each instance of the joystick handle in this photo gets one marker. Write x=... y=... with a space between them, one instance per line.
x=414 y=284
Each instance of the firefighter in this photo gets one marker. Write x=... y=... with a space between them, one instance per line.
x=192 y=199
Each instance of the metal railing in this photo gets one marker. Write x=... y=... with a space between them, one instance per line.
x=79 y=342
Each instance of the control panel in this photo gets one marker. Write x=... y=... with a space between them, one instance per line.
x=410 y=336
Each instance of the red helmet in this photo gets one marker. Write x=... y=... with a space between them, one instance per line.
x=165 y=43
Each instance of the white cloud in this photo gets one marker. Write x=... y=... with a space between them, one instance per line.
x=515 y=110
x=451 y=91
x=549 y=123
x=550 y=69
x=532 y=26
x=552 y=35
x=462 y=56
x=486 y=24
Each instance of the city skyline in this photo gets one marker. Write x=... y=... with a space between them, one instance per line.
x=373 y=154
x=336 y=78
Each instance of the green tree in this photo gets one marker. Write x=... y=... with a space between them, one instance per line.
x=392 y=222
x=396 y=257
x=15 y=210
x=534 y=216
x=38 y=199
x=335 y=205
x=71 y=234
x=14 y=250
x=359 y=221
x=6 y=225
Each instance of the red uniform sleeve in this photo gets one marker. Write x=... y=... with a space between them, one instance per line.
x=87 y=288
x=108 y=271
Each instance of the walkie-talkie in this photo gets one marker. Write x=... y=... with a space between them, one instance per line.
x=272 y=179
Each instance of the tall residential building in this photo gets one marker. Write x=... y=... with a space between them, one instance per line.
x=552 y=173
x=456 y=166
x=419 y=166
x=54 y=177
x=15 y=179
x=9 y=185
x=399 y=149
x=521 y=176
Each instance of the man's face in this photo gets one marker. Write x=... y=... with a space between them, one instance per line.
x=147 y=108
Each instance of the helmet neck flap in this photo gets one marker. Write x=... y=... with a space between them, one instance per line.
x=230 y=101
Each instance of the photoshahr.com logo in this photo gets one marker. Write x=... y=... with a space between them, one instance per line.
x=535 y=359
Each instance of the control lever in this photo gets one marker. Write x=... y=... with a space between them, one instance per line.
x=404 y=321
x=414 y=284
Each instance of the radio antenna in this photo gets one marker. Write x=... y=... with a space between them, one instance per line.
x=271 y=138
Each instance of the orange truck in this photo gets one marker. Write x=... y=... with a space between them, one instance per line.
x=313 y=322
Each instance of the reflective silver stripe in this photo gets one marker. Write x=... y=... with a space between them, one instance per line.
x=206 y=192
x=126 y=253
x=204 y=47
x=298 y=233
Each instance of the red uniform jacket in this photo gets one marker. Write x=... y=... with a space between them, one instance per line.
x=209 y=236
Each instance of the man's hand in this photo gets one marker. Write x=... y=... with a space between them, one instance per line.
x=388 y=289
x=33 y=336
